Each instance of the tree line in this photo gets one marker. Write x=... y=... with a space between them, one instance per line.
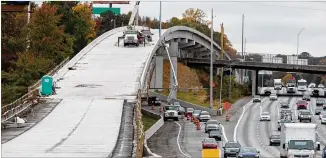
x=60 y=29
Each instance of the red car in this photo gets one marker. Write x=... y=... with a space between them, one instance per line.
x=209 y=143
x=302 y=104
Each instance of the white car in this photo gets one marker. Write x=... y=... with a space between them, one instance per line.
x=312 y=85
x=321 y=114
x=273 y=97
x=204 y=116
x=176 y=104
x=323 y=119
x=265 y=116
x=321 y=86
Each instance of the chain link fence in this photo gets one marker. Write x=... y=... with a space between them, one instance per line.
x=10 y=110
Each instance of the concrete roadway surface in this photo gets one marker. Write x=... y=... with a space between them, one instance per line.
x=255 y=133
x=179 y=139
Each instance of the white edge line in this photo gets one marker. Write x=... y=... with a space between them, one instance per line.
x=236 y=126
x=225 y=138
x=179 y=146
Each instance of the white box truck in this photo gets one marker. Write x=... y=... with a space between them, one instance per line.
x=277 y=84
x=299 y=140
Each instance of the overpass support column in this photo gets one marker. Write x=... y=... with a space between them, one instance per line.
x=173 y=50
x=254 y=78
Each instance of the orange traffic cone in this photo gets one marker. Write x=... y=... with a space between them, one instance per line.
x=198 y=126
x=192 y=119
x=188 y=117
x=161 y=109
x=153 y=107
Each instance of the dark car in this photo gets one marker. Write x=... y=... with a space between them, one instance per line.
x=209 y=143
x=248 y=152
x=315 y=92
x=285 y=105
x=154 y=101
x=304 y=115
x=318 y=110
x=323 y=153
x=320 y=102
x=267 y=92
x=275 y=140
x=148 y=34
x=216 y=134
x=231 y=149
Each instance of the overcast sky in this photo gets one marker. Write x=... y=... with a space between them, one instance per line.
x=269 y=27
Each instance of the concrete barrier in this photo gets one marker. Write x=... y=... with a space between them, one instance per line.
x=185 y=104
x=151 y=131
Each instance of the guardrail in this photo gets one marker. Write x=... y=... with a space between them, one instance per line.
x=140 y=134
x=10 y=110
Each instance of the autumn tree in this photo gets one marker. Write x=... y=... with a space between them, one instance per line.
x=47 y=39
x=13 y=37
x=84 y=26
x=286 y=78
x=194 y=15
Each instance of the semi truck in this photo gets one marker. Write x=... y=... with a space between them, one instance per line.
x=299 y=140
x=277 y=84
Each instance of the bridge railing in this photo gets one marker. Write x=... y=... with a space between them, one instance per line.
x=8 y=111
x=279 y=58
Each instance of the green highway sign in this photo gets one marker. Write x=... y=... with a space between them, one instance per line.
x=98 y=10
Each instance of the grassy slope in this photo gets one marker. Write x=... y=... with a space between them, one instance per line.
x=148 y=122
x=189 y=78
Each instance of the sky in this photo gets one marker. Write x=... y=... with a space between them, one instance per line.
x=269 y=27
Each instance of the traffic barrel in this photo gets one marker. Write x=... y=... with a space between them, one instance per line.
x=227 y=118
x=161 y=109
x=198 y=126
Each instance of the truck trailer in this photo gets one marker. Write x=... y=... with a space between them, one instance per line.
x=299 y=140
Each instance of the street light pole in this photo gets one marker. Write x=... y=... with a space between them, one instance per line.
x=211 y=67
x=298 y=45
x=242 y=72
x=221 y=56
x=160 y=29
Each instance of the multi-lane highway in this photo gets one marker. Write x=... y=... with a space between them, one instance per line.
x=255 y=133
x=181 y=139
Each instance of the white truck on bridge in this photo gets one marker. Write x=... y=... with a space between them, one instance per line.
x=277 y=84
x=299 y=140
x=302 y=85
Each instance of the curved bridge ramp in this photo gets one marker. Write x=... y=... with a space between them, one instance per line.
x=87 y=121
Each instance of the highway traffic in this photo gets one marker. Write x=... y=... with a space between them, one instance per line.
x=259 y=125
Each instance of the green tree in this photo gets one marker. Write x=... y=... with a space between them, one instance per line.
x=47 y=39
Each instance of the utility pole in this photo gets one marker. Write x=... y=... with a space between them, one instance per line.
x=221 y=56
x=160 y=19
x=211 y=67
x=242 y=72
x=298 y=45
x=245 y=53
